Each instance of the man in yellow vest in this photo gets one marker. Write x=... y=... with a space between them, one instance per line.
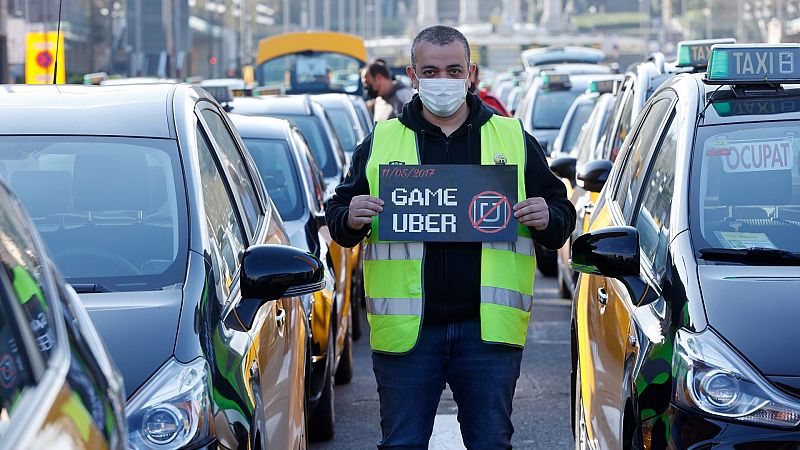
x=448 y=312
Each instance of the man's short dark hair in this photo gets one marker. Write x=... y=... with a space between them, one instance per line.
x=438 y=35
x=379 y=68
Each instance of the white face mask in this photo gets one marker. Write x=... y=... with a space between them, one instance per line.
x=442 y=96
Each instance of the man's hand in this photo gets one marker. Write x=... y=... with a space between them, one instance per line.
x=532 y=212
x=362 y=209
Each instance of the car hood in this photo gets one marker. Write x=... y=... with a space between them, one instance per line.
x=138 y=328
x=755 y=308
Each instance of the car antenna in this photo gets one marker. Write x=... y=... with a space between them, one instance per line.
x=58 y=41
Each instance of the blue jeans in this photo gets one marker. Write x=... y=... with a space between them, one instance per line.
x=482 y=377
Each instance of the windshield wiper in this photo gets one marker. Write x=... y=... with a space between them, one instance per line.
x=754 y=255
x=89 y=288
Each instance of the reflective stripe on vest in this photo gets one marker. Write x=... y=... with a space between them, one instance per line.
x=393 y=279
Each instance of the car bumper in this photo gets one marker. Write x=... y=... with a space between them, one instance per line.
x=678 y=429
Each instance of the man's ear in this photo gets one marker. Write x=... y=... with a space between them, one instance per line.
x=471 y=74
x=413 y=76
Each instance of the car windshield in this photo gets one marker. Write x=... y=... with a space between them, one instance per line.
x=551 y=106
x=578 y=119
x=344 y=127
x=313 y=72
x=110 y=210
x=277 y=167
x=745 y=187
x=321 y=147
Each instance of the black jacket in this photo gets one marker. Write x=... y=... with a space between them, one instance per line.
x=452 y=270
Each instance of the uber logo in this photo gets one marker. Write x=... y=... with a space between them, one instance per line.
x=490 y=212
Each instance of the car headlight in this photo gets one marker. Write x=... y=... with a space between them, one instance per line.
x=172 y=410
x=712 y=377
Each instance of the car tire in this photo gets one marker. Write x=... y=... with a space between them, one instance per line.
x=579 y=414
x=344 y=373
x=546 y=261
x=321 y=423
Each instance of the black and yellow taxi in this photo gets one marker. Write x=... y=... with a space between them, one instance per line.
x=684 y=328
x=58 y=387
x=642 y=79
x=565 y=165
x=152 y=209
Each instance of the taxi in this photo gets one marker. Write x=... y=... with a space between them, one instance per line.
x=642 y=79
x=601 y=93
x=578 y=114
x=684 y=328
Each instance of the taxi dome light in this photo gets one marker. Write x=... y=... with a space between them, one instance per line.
x=697 y=53
x=765 y=64
x=603 y=86
x=555 y=79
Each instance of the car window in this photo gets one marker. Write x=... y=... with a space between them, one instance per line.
x=320 y=146
x=653 y=217
x=275 y=163
x=579 y=119
x=550 y=107
x=225 y=231
x=342 y=123
x=641 y=148
x=237 y=169
x=313 y=172
x=623 y=125
x=111 y=210
x=745 y=186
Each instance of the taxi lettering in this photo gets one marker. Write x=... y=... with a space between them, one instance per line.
x=700 y=52
x=763 y=63
x=757 y=156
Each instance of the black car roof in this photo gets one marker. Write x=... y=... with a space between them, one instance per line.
x=298 y=105
x=133 y=110
x=261 y=127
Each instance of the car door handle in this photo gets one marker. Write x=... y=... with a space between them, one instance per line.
x=602 y=296
x=588 y=208
x=280 y=318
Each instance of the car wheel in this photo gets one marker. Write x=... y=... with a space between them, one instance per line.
x=563 y=287
x=581 y=436
x=344 y=373
x=546 y=261
x=322 y=421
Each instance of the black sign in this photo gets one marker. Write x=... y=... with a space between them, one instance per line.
x=448 y=203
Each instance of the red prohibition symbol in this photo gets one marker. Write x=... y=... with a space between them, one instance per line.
x=493 y=219
x=44 y=59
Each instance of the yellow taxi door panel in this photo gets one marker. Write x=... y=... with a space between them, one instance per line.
x=277 y=363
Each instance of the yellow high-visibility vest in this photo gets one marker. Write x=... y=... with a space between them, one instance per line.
x=393 y=270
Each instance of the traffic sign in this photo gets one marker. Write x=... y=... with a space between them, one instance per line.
x=40 y=58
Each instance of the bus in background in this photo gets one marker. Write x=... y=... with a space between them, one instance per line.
x=311 y=63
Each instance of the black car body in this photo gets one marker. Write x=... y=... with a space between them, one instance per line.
x=684 y=322
x=58 y=385
x=295 y=185
x=312 y=120
x=153 y=211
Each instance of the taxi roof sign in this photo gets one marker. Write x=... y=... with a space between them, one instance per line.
x=550 y=79
x=603 y=86
x=754 y=64
x=697 y=53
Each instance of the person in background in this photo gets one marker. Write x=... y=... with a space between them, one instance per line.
x=488 y=99
x=379 y=84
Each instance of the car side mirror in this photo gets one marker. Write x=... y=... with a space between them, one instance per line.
x=319 y=220
x=610 y=252
x=271 y=272
x=564 y=167
x=613 y=252
x=594 y=174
